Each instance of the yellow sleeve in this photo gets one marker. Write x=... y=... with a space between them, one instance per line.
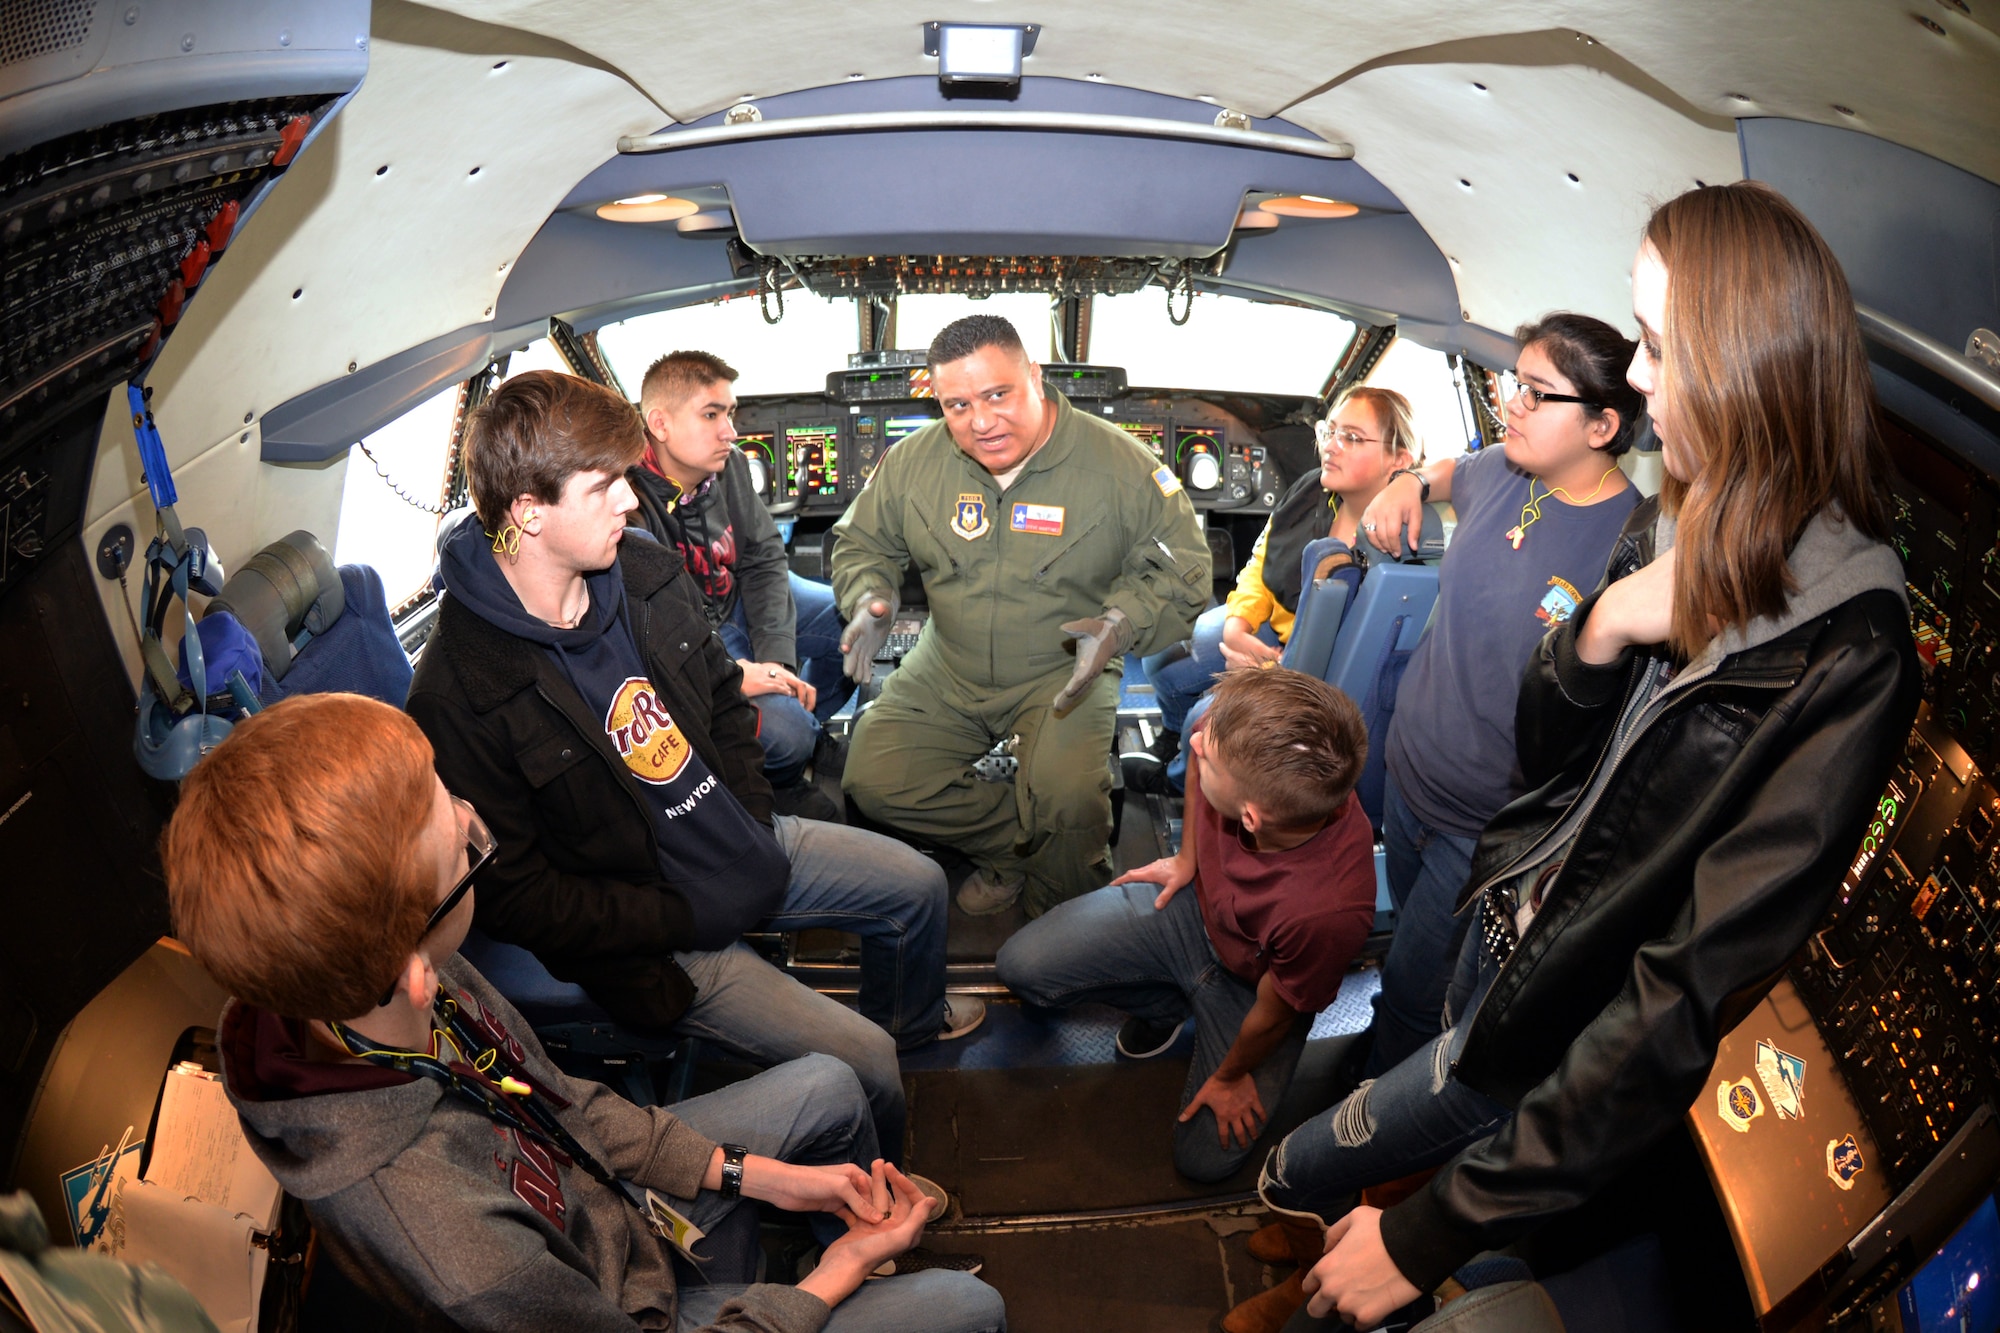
x=1250 y=599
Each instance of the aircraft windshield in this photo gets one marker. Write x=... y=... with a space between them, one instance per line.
x=792 y=356
x=1227 y=344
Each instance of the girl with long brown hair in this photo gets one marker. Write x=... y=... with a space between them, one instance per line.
x=1701 y=741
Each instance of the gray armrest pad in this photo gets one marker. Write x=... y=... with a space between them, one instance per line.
x=1504 y=1307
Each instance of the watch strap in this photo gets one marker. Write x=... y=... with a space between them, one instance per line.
x=1423 y=482
x=732 y=1169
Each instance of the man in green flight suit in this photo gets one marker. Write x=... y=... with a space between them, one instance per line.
x=1039 y=531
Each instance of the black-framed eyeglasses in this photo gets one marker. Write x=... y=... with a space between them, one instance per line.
x=480 y=846
x=1531 y=398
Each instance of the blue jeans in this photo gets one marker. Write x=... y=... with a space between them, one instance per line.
x=1427 y=869
x=787 y=731
x=846 y=879
x=1177 y=684
x=812 y=1111
x=1416 y=1115
x=930 y=1302
x=1113 y=946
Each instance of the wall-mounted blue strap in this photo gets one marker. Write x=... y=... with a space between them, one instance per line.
x=152 y=453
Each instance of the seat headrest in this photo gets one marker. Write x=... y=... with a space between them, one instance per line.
x=285 y=595
x=1430 y=543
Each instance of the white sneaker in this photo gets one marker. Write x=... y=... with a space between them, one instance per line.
x=988 y=892
x=962 y=1013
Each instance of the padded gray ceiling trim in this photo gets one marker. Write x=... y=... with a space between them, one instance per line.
x=1380 y=268
x=1919 y=238
x=584 y=270
x=321 y=424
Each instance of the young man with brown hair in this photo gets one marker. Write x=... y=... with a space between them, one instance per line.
x=695 y=492
x=322 y=873
x=1281 y=860
x=574 y=693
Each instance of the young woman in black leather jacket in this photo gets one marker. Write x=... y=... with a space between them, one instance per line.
x=1701 y=740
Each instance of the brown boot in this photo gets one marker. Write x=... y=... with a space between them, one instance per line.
x=1269 y=1246
x=1268 y=1311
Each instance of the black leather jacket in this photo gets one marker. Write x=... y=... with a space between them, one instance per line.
x=577 y=878
x=1710 y=853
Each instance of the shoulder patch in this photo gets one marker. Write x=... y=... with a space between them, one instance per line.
x=1165 y=479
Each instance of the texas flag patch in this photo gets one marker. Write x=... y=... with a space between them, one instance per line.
x=1045 y=520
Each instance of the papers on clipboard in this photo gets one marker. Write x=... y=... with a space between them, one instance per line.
x=205 y=1206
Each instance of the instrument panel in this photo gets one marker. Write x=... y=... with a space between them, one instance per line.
x=1903 y=980
x=811 y=455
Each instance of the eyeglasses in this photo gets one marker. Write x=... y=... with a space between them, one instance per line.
x=1344 y=437
x=1513 y=388
x=480 y=846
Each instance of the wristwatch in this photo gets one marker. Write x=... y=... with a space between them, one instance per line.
x=732 y=1169
x=1422 y=481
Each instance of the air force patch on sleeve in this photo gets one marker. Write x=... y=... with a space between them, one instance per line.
x=1165 y=479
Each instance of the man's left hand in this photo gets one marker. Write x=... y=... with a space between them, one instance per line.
x=1098 y=640
x=775 y=678
x=1239 y=1112
x=1357 y=1278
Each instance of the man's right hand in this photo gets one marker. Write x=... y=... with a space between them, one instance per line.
x=1171 y=873
x=865 y=635
x=1397 y=507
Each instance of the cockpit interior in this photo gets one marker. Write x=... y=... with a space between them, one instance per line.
x=264 y=263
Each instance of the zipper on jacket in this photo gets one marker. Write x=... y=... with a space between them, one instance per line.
x=1077 y=541
x=1648 y=716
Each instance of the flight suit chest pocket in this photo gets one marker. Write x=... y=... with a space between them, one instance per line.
x=1063 y=555
x=932 y=541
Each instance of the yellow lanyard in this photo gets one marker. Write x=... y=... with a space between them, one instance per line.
x=1532 y=511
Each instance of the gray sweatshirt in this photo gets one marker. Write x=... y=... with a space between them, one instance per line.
x=434 y=1207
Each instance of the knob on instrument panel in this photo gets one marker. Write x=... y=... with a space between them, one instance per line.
x=759 y=474
x=1204 y=472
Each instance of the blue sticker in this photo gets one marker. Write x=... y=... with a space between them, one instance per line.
x=1843 y=1161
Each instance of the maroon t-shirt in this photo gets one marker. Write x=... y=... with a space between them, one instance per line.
x=1300 y=914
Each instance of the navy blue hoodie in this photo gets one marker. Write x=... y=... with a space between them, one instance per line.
x=729 y=867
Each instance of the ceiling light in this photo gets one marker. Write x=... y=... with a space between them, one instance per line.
x=1309 y=206
x=716 y=224
x=989 y=53
x=648 y=208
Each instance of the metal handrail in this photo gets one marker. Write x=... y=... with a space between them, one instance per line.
x=1074 y=122
x=1931 y=354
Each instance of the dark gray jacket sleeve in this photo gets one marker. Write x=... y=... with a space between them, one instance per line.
x=762 y=572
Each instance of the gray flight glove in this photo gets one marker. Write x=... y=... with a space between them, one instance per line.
x=1097 y=641
x=865 y=635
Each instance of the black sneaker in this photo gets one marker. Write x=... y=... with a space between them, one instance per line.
x=1140 y=1040
x=1166 y=744
x=806 y=800
x=1144 y=773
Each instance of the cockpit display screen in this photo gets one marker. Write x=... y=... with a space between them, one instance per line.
x=1152 y=435
x=813 y=459
x=895 y=428
x=1957 y=1289
x=1194 y=440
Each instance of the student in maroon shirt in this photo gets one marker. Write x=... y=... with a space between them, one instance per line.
x=1281 y=860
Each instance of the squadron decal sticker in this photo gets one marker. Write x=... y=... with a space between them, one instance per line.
x=1784 y=1078
x=1738 y=1104
x=1843 y=1161
x=1558 y=603
x=969 y=519
x=645 y=736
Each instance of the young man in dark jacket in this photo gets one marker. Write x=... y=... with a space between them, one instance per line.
x=695 y=492
x=318 y=868
x=574 y=693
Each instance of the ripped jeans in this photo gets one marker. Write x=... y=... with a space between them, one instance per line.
x=1414 y=1116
